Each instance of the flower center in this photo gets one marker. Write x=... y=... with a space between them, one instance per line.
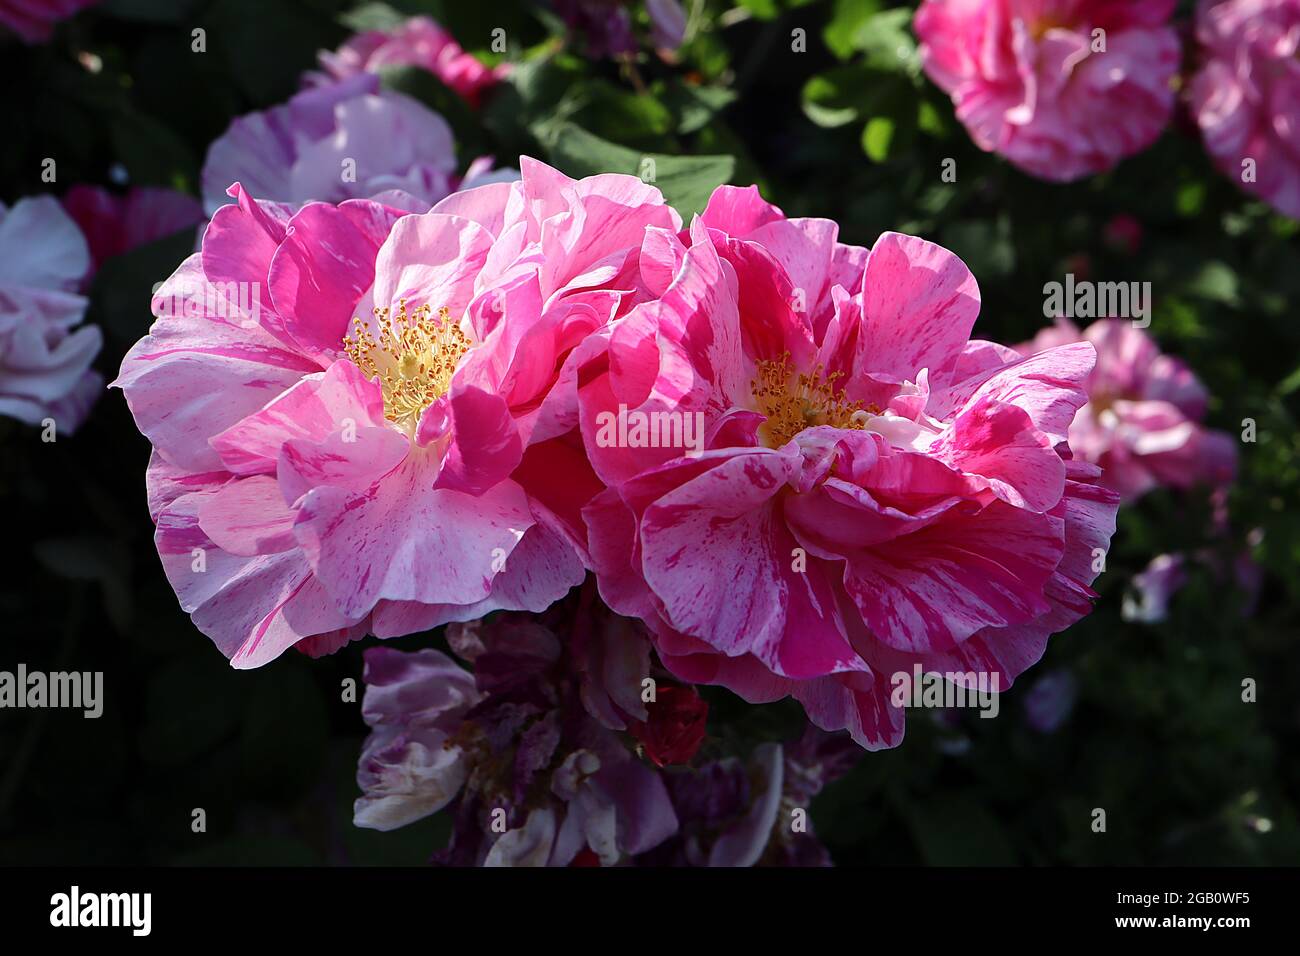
x=412 y=358
x=1048 y=21
x=793 y=401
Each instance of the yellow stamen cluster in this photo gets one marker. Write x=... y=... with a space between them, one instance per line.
x=793 y=401
x=412 y=358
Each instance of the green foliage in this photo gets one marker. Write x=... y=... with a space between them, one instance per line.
x=686 y=181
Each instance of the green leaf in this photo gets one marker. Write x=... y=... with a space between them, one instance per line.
x=829 y=102
x=529 y=96
x=472 y=24
x=696 y=106
x=1217 y=282
x=1190 y=199
x=605 y=110
x=986 y=248
x=1290 y=383
x=891 y=132
x=888 y=44
x=372 y=16
x=930 y=120
x=876 y=137
x=849 y=17
x=847 y=94
x=686 y=181
x=762 y=9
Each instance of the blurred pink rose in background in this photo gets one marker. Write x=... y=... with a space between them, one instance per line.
x=1142 y=420
x=44 y=359
x=1246 y=95
x=1153 y=588
x=1123 y=233
x=417 y=42
x=114 y=224
x=1050 y=701
x=34 y=20
x=1030 y=78
x=344 y=140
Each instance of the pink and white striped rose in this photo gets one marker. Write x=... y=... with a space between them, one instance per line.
x=1062 y=88
x=876 y=489
x=346 y=402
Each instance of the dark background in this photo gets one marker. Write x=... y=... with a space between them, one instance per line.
x=1159 y=737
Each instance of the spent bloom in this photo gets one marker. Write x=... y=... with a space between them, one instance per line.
x=1246 y=95
x=44 y=358
x=875 y=489
x=726 y=811
x=754 y=812
x=339 y=141
x=418 y=41
x=531 y=777
x=346 y=403
x=410 y=765
x=1062 y=88
x=34 y=20
x=1142 y=422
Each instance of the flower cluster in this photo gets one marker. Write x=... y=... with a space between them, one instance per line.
x=608 y=457
x=1246 y=95
x=1068 y=88
x=396 y=427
